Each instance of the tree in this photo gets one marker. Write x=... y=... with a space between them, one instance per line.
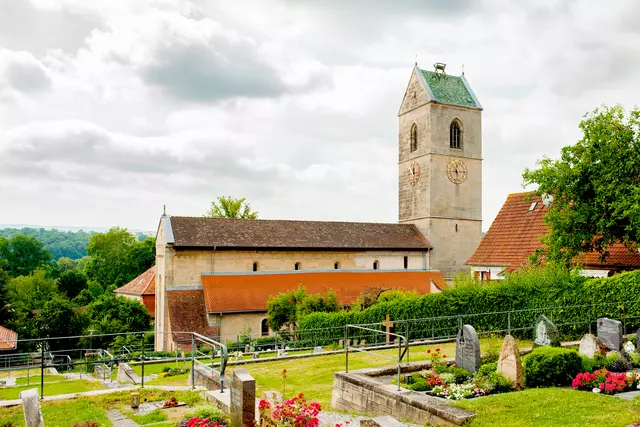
x=58 y=318
x=72 y=282
x=112 y=314
x=595 y=187
x=31 y=292
x=116 y=257
x=285 y=309
x=21 y=255
x=228 y=207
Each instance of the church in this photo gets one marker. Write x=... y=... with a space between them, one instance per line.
x=215 y=275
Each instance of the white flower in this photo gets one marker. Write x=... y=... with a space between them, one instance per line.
x=596 y=390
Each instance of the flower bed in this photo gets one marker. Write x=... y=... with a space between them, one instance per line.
x=604 y=381
x=295 y=412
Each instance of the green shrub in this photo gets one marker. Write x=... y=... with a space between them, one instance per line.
x=419 y=384
x=486 y=369
x=551 y=366
x=459 y=374
x=211 y=412
x=634 y=359
x=590 y=364
x=494 y=382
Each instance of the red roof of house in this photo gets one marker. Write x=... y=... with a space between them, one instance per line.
x=516 y=232
x=250 y=292
x=8 y=339
x=144 y=284
x=226 y=233
x=187 y=313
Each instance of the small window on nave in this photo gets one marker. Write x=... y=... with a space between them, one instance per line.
x=455 y=135
x=298 y=266
x=414 y=138
x=336 y=266
x=406 y=262
x=255 y=266
x=376 y=264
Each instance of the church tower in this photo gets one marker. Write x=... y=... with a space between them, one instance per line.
x=440 y=165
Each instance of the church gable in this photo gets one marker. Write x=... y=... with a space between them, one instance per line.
x=417 y=93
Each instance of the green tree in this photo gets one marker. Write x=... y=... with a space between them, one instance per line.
x=4 y=302
x=31 y=292
x=316 y=303
x=282 y=310
x=85 y=297
x=112 y=314
x=58 y=318
x=72 y=282
x=21 y=255
x=595 y=187
x=116 y=257
x=229 y=207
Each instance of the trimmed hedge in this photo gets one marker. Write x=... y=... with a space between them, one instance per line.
x=551 y=366
x=533 y=290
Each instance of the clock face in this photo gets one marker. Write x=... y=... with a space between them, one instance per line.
x=457 y=171
x=413 y=173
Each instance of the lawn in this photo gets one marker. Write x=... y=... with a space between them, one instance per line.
x=552 y=407
x=66 y=413
x=61 y=387
x=35 y=379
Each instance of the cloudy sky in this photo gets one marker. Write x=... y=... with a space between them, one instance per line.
x=111 y=109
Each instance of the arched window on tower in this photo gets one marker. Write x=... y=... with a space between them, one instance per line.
x=264 y=328
x=455 y=134
x=376 y=264
x=414 y=138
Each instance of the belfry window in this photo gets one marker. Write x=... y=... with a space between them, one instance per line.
x=455 y=135
x=414 y=138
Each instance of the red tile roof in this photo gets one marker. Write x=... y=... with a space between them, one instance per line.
x=8 y=339
x=250 y=292
x=284 y=234
x=516 y=232
x=144 y=284
x=187 y=313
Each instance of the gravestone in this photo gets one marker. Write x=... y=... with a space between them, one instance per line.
x=341 y=343
x=31 y=408
x=317 y=350
x=363 y=342
x=255 y=356
x=247 y=348
x=509 y=363
x=272 y=396
x=243 y=399
x=468 y=349
x=610 y=333
x=355 y=343
x=589 y=346
x=281 y=353
x=628 y=347
x=546 y=333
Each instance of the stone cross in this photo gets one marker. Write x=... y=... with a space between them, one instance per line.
x=388 y=324
x=31 y=408
x=545 y=333
x=610 y=333
x=243 y=399
x=468 y=349
x=509 y=363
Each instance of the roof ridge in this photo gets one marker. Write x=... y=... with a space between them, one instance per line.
x=291 y=220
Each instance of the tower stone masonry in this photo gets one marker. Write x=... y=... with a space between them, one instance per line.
x=440 y=166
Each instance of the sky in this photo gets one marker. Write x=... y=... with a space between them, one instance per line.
x=111 y=110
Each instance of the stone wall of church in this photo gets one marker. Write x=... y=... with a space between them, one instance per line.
x=235 y=323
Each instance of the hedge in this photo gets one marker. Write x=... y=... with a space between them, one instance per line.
x=534 y=290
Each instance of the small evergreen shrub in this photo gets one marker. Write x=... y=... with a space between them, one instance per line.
x=590 y=364
x=551 y=366
x=494 y=382
x=486 y=369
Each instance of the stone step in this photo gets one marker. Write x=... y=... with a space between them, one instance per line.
x=118 y=419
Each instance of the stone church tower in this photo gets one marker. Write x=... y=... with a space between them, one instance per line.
x=440 y=165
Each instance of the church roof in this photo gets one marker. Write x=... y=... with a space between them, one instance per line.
x=225 y=233
x=516 y=232
x=187 y=314
x=226 y=293
x=448 y=89
x=144 y=284
x=8 y=339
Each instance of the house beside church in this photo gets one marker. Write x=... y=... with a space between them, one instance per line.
x=143 y=289
x=515 y=235
x=214 y=276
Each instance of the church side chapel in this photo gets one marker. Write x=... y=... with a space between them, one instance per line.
x=215 y=275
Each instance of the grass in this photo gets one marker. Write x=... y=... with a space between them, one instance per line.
x=150 y=418
x=50 y=389
x=65 y=413
x=552 y=407
x=35 y=379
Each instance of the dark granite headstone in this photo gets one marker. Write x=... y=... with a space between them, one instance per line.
x=545 y=333
x=610 y=333
x=243 y=399
x=468 y=349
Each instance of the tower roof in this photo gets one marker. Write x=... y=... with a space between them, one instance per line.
x=447 y=89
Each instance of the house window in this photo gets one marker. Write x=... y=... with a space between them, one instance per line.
x=406 y=262
x=414 y=138
x=485 y=275
x=336 y=266
x=455 y=135
x=264 y=328
x=298 y=266
x=255 y=266
x=376 y=264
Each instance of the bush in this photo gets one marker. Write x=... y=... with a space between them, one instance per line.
x=634 y=359
x=494 y=382
x=459 y=374
x=486 y=369
x=211 y=412
x=551 y=366
x=590 y=364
